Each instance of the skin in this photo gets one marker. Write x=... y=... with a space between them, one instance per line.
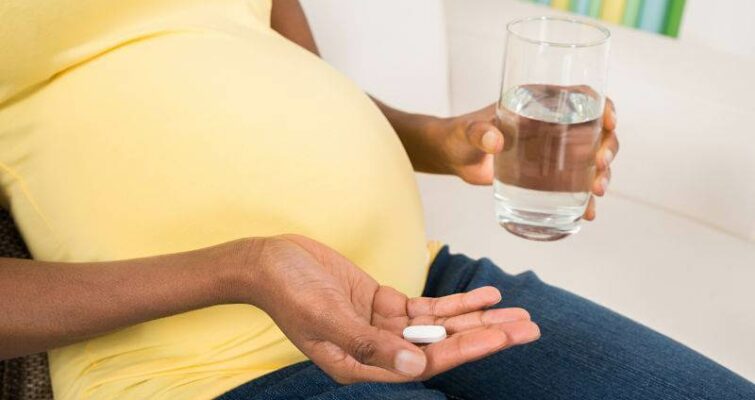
x=355 y=324
x=336 y=314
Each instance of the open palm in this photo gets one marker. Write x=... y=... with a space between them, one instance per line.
x=350 y=326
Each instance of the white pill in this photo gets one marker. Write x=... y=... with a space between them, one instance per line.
x=425 y=333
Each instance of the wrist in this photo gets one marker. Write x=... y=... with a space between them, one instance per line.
x=427 y=144
x=437 y=135
x=237 y=275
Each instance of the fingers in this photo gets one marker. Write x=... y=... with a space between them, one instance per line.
x=608 y=149
x=457 y=349
x=610 y=144
x=609 y=116
x=482 y=174
x=482 y=319
x=472 y=345
x=345 y=369
x=455 y=304
x=369 y=345
x=600 y=184
x=589 y=214
x=485 y=136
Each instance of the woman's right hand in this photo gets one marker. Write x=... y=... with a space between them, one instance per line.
x=351 y=326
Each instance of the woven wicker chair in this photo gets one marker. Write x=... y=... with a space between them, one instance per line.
x=23 y=378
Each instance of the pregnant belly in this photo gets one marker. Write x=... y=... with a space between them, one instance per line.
x=188 y=140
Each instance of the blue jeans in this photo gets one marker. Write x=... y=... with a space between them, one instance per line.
x=586 y=352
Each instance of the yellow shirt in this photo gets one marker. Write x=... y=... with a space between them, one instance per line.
x=140 y=127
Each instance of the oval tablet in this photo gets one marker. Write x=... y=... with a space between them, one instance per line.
x=425 y=333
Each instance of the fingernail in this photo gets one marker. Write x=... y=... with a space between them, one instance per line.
x=409 y=363
x=489 y=140
x=608 y=157
x=604 y=184
x=526 y=334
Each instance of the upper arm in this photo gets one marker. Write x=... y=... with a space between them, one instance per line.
x=288 y=19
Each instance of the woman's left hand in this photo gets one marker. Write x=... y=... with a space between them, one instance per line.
x=470 y=141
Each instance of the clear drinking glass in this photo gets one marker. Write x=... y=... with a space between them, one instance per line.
x=550 y=112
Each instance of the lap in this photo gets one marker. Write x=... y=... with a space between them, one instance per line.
x=306 y=381
x=586 y=352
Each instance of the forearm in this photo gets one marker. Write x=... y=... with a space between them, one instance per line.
x=47 y=304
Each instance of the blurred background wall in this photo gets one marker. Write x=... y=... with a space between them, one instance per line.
x=726 y=25
x=387 y=47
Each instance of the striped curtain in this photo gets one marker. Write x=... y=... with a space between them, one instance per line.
x=659 y=16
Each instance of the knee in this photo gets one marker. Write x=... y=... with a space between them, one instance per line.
x=486 y=272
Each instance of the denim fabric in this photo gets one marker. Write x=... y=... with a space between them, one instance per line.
x=586 y=352
x=306 y=381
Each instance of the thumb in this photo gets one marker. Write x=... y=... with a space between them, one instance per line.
x=379 y=348
x=485 y=136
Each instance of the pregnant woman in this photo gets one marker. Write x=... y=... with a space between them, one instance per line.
x=210 y=205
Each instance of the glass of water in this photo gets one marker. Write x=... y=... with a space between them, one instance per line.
x=550 y=112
